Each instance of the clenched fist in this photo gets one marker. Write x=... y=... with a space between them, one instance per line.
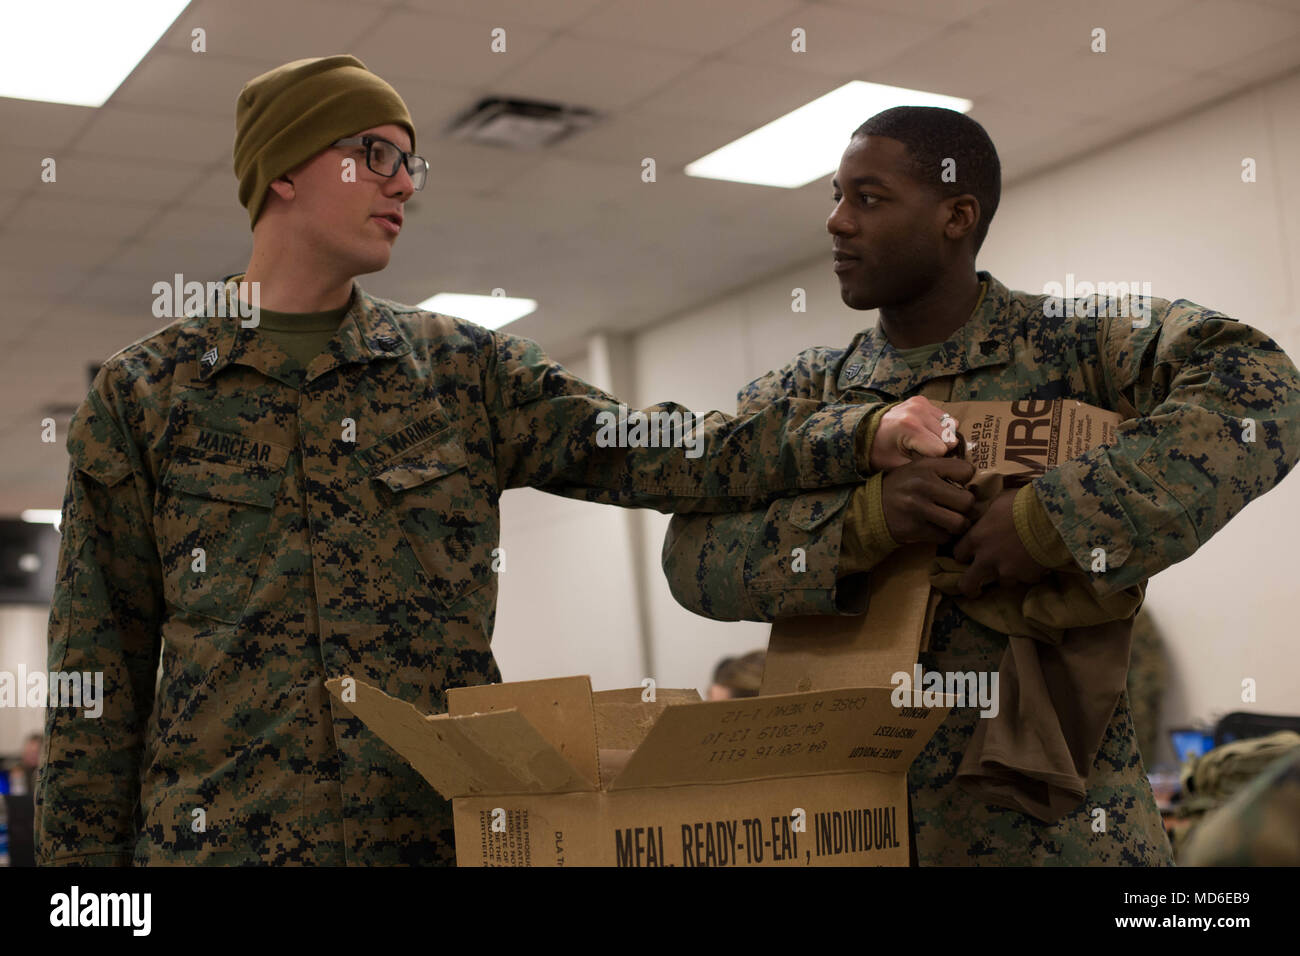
x=914 y=428
x=924 y=500
x=994 y=551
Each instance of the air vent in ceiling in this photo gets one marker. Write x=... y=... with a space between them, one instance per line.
x=519 y=124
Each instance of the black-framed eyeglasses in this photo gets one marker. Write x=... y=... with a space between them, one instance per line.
x=387 y=158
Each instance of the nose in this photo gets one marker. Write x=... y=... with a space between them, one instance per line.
x=839 y=222
x=402 y=179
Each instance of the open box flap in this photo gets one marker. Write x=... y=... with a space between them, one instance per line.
x=622 y=726
x=560 y=709
x=824 y=652
x=755 y=738
x=623 y=718
x=499 y=752
x=633 y=695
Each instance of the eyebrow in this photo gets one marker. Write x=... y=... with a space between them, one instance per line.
x=863 y=181
x=386 y=140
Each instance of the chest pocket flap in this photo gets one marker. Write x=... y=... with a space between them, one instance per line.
x=449 y=525
x=434 y=461
x=249 y=484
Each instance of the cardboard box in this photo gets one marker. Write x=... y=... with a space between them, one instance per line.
x=548 y=773
x=812 y=772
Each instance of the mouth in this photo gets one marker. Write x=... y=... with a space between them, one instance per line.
x=845 y=262
x=389 y=221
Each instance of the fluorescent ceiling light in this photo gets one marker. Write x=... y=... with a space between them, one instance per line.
x=489 y=311
x=42 y=516
x=806 y=144
x=78 y=51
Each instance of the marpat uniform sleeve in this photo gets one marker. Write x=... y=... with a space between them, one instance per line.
x=104 y=620
x=780 y=561
x=557 y=433
x=1217 y=424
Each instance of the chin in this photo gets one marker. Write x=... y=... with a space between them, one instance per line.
x=372 y=263
x=855 y=298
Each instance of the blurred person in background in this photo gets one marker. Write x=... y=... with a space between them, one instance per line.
x=738 y=676
x=22 y=785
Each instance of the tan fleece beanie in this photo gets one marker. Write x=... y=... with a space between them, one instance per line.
x=286 y=116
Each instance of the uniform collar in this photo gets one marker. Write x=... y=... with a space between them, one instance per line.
x=984 y=339
x=367 y=332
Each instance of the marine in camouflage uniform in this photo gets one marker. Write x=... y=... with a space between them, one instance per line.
x=323 y=557
x=1259 y=826
x=1177 y=472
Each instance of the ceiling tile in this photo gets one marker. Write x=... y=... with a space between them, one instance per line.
x=217 y=188
x=658 y=211
x=687 y=26
x=39 y=285
x=1264 y=64
x=839 y=42
x=87 y=176
x=1171 y=102
x=58 y=214
x=947 y=11
x=433 y=104
x=576 y=181
x=1093 y=86
x=444 y=49
x=128 y=298
x=474 y=168
x=672 y=141
x=593 y=73
x=551 y=15
x=8 y=203
x=1023 y=42
x=201 y=260
x=150 y=135
x=1213 y=34
x=52 y=253
x=47 y=126
x=202 y=84
x=738 y=93
x=279 y=32
x=192 y=221
x=968 y=61
x=22 y=164
x=1014 y=127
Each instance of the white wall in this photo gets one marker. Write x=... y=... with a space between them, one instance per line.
x=566 y=600
x=1168 y=208
x=22 y=650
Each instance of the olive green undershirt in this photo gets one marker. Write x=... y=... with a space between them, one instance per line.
x=918 y=356
x=303 y=335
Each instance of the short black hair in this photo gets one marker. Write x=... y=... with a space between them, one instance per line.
x=743 y=676
x=933 y=134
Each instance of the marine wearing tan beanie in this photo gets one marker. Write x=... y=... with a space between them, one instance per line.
x=286 y=116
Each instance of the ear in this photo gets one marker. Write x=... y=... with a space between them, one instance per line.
x=963 y=216
x=283 y=187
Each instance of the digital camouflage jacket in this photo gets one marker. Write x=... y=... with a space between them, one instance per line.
x=260 y=528
x=1212 y=409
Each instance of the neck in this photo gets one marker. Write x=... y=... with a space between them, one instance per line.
x=290 y=281
x=933 y=316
